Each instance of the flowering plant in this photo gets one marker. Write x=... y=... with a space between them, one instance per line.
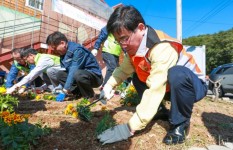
x=70 y=110
x=83 y=111
x=131 y=97
x=49 y=97
x=12 y=118
x=80 y=108
x=17 y=133
x=31 y=95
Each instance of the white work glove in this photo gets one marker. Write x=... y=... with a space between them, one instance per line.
x=115 y=134
x=11 y=90
x=94 y=52
x=21 y=90
x=57 y=89
x=107 y=92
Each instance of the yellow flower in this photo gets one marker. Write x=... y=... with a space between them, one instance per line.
x=50 y=97
x=66 y=112
x=132 y=88
x=26 y=116
x=122 y=102
x=38 y=97
x=128 y=104
x=104 y=108
x=75 y=114
x=70 y=106
x=2 y=90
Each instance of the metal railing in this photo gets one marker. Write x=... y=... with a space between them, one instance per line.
x=216 y=88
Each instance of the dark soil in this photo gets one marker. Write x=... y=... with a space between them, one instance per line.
x=211 y=123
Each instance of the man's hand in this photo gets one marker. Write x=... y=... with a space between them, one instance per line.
x=61 y=96
x=115 y=134
x=107 y=92
x=21 y=89
x=94 y=52
x=11 y=90
x=57 y=89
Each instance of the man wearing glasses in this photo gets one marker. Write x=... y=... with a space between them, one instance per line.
x=19 y=66
x=44 y=64
x=156 y=60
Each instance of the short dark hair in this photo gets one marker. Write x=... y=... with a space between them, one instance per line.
x=26 y=52
x=16 y=50
x=55 y=38
x=127 y=17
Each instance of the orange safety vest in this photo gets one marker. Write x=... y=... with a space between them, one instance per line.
x=142 y=65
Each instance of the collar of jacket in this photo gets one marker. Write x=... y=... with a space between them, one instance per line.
x=72 y=46
x=152 y=38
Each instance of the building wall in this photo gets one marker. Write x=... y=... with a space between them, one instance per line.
x=19 y=5
x=50 y=21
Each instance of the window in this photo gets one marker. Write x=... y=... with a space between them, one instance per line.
x=222 y=70
x=36 y=4
x=229 y=71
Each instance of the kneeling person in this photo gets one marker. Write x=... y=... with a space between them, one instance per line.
x=82 y=69
x=44 y=64
x=22 y=67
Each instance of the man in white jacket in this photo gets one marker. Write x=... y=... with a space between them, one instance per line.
x=44 y=67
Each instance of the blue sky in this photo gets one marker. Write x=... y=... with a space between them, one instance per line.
x=199 y=16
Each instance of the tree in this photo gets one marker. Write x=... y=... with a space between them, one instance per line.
x=219 y=47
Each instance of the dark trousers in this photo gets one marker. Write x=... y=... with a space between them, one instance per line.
x=139 y=85
x=84 y=83
x=185 y=89
x=111 y=62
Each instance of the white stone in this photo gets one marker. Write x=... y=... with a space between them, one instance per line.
x=228 y=144
x=217 y=147
x=197 y=148
x=225 y=98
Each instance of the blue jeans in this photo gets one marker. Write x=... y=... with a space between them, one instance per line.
x=111 y=61
x=186 y=89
